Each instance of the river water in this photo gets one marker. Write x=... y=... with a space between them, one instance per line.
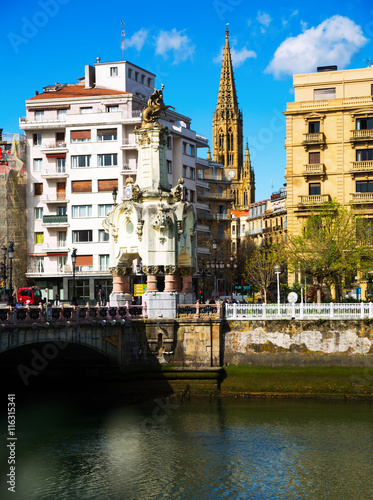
x=196 y=450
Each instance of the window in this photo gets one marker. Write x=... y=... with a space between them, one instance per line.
x=39 y=116
x=221 y=140
x=61 y=168
x=39 y=238
x=112 y=109
x=137 y=76
x=62 y=239
x=60 y=138
x=80 y=135
x=104 y=262
x=314 y=188
x=84 y=262
x=109 y=134
x=220 y=191
x=230 y=140
x=108 y=160
x=149 y=82
x=81 y=161
x=39 y=213
x=191 y=149
x=82 y=236
x=201 y=173
x=220 y=232
x=364 y=186
x=314 y=157
x=80 y=211
x=103 y=210
x=107 y=185
x=185 y=170
x=81 y=186
x=192 y=196
x=143 y=79
x=38 y=165
x=114 y=71
x=86 y=111
x=62 y=261
x=129 y=73
x=364 y=154
x=61 y=115
x=169 y=166
x=184 y=148
x=314 y=127
x=38 y=188
x=192 y=173
x=169 y=142
x=321 y=94
x=364 y=123
x=37 y=139
x=103 y=235
x=61 y=210
x=40 y=264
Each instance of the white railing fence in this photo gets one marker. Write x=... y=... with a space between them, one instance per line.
x=299 y=311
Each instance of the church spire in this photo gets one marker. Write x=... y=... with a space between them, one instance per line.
x=227 y=96
x=247 y=163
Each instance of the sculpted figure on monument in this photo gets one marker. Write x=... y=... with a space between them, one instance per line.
x=155 y=108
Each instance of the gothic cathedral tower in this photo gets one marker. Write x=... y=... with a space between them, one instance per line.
x=228 y=136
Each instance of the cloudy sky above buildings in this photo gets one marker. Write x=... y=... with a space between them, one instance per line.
x=48 y=41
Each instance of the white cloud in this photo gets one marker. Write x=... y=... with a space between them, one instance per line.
x=137 y=40
x=264 y=19
x=334 y=41
x=175 y=42
x=285 y=21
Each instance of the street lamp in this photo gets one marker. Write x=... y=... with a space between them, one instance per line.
x=115 y=194
x=203 y=272
x=215 y=265
x=11 y=255
x=277 y=270
x=73 y=261
x=232 y=266
x=4 y=251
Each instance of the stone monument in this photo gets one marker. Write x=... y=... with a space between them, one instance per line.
x=154 y=224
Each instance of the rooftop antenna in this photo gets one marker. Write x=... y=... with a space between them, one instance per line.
x=123 y=34
x=272 y=184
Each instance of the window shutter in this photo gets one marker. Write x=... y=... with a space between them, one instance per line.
x=107 y=184
x=84 y=260
x=81 y=186
x=107 y=131
x=80 y=134
x=321 y=94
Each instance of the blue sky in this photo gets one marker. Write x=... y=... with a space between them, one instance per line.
x=48 y=41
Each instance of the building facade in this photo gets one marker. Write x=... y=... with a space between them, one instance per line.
x=329 y=143
x=80 y=148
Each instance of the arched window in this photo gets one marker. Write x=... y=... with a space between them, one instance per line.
x=230 y=140
x=221 y=140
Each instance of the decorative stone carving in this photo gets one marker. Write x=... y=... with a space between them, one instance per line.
x=162 y=220
x=139 y=229
x=170 y=269
x=120 y=271
x=151 y=269
x=154 y=109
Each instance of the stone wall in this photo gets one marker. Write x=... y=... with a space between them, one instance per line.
x=300 y=343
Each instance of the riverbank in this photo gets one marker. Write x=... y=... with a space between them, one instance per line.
x=298 y=382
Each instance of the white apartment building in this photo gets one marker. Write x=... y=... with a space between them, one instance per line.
x=80 y=146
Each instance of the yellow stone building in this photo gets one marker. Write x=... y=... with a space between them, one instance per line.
x=329 y=142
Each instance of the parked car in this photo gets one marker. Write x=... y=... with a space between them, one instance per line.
x=29 y=295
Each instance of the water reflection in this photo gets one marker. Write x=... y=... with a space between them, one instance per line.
x=237 y=449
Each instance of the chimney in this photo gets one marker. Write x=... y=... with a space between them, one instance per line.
x=89 y=76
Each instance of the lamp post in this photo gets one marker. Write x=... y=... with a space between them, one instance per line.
x=277 y=270
x=203 y=272
x=215 y=265
x=11 y=255
x=232 y=266
x=74 y=302
x=115 y=194
x=4 y=251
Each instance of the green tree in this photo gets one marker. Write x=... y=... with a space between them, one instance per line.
x=334 y=244
x=260 y=267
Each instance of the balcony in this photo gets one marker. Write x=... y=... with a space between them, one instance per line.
x=55 y=220
x=315 y=199
x=315 y=138
x=55 y=173
x=365 y=135
x=61 y=249
x=129 y=143
x=128 y=169
x=215 y=196
x=313 y=169
x=54 y=148
x=57 y=198
x=222 y=216
x=361 y=166
x=362 y=198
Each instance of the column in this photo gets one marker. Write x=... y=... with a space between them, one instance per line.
x=151 y=277
x=170 y=284
x=121 y=279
